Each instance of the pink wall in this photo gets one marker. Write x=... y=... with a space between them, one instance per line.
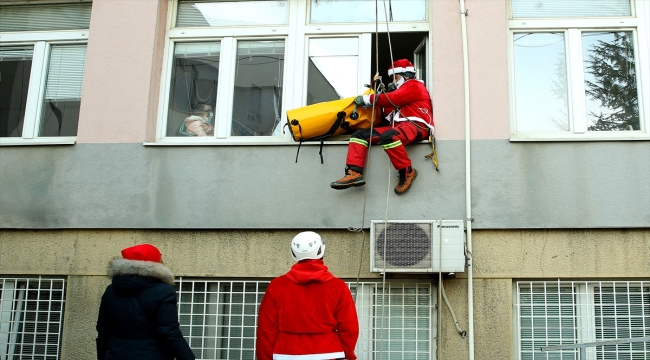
x=488 y=69
x=123 y=63
x=125 y=50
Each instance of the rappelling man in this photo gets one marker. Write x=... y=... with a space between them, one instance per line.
x=407 y=107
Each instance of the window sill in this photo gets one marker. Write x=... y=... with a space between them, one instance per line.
x=590 y=136
x=247 y=141
x=11 y=141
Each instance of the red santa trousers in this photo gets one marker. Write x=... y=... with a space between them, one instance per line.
x=392 y=139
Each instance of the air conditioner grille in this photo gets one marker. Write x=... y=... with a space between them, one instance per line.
x=405 y=244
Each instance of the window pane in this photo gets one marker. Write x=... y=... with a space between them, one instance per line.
x=541 y=90
x=610 y=81
x=327 y=58
x=218 y=318
x=45 y=17
x=63 y=91
x=397 y=323
x=193 y=96
x=258 y=88
x=573 y=8
x=15 y=67
x=356 y=11
x=231 y=13
x=545 y=321
x=622 y=312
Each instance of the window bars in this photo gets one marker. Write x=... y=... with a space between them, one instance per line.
x=219 y=318
x=570 y=312
x=31 y=317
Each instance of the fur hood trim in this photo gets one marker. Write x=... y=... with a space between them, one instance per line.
x=143 y=268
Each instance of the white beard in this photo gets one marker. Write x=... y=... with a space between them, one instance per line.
x=399 y=82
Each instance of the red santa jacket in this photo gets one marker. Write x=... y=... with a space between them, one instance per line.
x=307 y=314
x=413 y=100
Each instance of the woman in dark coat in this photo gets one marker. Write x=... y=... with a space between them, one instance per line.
x=138 y=317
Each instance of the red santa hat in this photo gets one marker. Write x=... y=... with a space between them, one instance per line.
x=142 y=252
x=400 y=66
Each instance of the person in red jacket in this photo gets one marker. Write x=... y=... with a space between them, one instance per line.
x=307 y=313
x=409 y=110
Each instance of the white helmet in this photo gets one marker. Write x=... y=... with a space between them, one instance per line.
x=307 y=245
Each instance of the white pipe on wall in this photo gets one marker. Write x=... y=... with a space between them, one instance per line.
x=468 y=185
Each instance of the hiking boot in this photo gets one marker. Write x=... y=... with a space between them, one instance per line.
x=406 y=177
x=351 y=178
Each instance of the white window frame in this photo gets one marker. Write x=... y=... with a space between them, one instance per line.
x=638 y=24
x=12 y=321
x=42 y=42
x=296 y=34
x=210 y=332
x=584 y=310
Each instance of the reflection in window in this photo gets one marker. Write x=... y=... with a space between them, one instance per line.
x=193 y=94
x=63 y=90
x=358 y=11
x=541 y=88
x=231 y=13
x=610 y=81
x=15 y=67
x=333 y=69
x=257 y=99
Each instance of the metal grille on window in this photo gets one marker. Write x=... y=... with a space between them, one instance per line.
x=568 y=312
x=219 y=318
x=31 y=317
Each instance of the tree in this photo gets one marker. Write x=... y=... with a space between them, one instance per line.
x=612 y=65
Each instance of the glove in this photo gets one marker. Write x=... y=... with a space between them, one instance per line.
x=391 y=87
x=359 y=100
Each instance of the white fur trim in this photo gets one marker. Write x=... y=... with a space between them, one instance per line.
x=142 y=268
x=366 y=99
x=399 y=70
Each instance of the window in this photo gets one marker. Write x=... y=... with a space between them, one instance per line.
x=578 y=70
x=567 y=312
x=229 y=79
x=41 y=72
x=219 y=318
x=31 y=318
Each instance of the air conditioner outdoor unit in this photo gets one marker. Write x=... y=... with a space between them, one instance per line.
x=406 y=246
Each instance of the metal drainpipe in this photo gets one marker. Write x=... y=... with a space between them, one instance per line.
x=468 y=186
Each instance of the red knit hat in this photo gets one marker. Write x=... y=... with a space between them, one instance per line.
x=142 y=252
x=400 y=66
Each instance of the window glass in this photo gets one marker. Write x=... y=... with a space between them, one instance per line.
x=573 y=8
x=546 y=317
x=257 y=99
x=610 y=81
x=622 y=312
x=540 y=81
x=192 y=100
x=231 y=13
x=45 y=17
x=63 y=91
x=31 y=317
x=357 y=11
x=564 y=313
x=15 y=68
x=219 y=317
x=333 y=69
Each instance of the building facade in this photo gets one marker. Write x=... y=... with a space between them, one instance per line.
x=542 y=131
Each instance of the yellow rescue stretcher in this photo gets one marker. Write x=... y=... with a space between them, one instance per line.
x=319 y=121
